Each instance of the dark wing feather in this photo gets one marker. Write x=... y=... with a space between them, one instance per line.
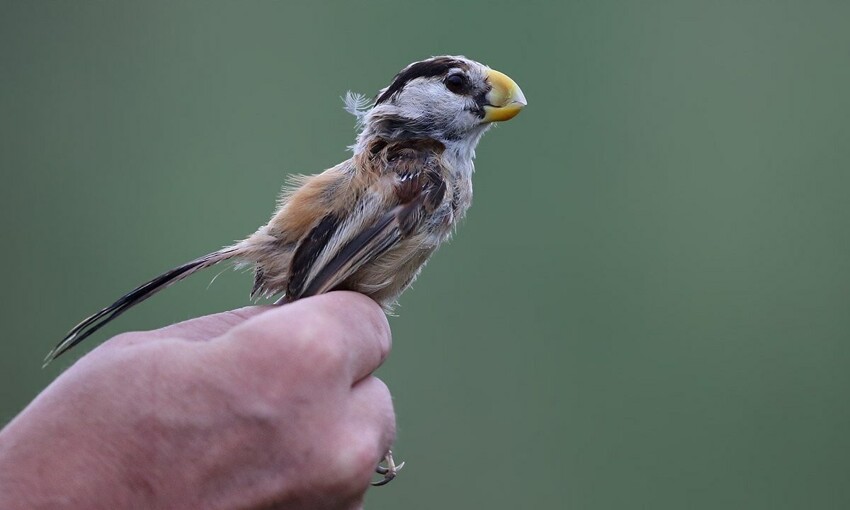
x=308 y=251
x=367 y=245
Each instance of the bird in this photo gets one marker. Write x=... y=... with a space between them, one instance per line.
x=370 y=223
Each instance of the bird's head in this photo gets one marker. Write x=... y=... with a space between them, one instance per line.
x=452 y=100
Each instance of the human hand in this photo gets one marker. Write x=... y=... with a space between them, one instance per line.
x=262 y=407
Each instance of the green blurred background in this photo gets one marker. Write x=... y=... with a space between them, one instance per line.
x=647 y=306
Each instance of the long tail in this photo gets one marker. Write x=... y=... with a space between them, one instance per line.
x=82 y=330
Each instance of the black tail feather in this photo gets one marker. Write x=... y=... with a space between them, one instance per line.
x=90 y=325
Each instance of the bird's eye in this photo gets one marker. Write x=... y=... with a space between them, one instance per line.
x=456 y=83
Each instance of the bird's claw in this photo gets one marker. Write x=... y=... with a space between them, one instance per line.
x=389 y=472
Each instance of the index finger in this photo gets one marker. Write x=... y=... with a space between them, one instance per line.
x=198 y=328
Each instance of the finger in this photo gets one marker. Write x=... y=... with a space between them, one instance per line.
x=210 y=326
x=199 y=328
x=339 y=332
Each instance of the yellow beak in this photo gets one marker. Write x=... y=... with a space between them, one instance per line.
x=505 y=99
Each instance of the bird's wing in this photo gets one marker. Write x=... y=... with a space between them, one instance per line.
x=418 y=187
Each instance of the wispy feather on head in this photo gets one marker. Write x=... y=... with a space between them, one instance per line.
x=358 y=105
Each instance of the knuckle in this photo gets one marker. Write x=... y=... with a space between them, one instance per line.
x=316 y=345
x=321 y=352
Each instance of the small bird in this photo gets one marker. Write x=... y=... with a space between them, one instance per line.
x=370 y=223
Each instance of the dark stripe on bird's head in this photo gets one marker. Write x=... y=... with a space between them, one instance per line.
x=437 y=66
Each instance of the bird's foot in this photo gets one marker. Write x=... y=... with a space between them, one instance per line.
x=389 y=472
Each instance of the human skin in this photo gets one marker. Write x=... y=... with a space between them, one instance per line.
x=261 y=407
